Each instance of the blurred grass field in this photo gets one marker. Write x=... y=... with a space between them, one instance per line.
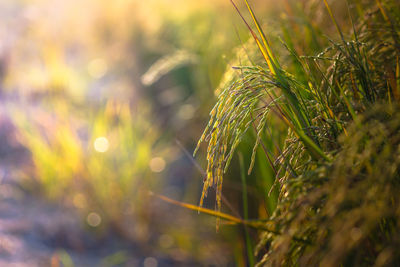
x=103 y=103
x=99 y=139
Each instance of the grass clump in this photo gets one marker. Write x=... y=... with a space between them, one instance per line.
x=337 y=168
x=348 y=209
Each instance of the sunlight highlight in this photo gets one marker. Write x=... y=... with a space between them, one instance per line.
x=79 y=201
x=186 y=112
x=97 y=68
x=166 y=241
x=150 y=262
x=101 y=144
x=157 y=164
x=93 y=219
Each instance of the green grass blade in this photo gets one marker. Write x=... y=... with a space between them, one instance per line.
x=263 y=50
x=263 y=38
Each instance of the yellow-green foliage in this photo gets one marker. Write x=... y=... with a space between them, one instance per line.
x=317 y=97
x=347 y=211
x=55 y=148
x=99 y=166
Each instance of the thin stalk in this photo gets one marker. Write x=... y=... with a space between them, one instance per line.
x=249 y=245
x=259 y=225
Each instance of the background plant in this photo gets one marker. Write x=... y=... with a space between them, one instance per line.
x=70 y=78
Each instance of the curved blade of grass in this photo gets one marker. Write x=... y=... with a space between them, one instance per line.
x=265 y=53
x=315 y=150
x=261 y=32
x=221 y=215
x=394 y=32
x=259 y=225
x=214 y=213
x=334 y=20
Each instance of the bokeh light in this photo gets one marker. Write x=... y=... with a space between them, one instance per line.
x=166 y=241
x=97 y=68
x=157 y=164
x=97 y=91
x=101 y=144
x=186 y=112
x=150 y=262
x=79 y=200
x=93 y=219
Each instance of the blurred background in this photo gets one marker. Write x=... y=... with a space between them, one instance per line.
x=103 y=102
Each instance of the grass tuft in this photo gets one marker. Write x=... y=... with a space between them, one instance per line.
x=337 y=137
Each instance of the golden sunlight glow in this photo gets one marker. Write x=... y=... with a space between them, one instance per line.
x=186 y=112
x=101 y=144
x=150 y=262
x=166 y=241
x=157 y=164
x=93 y=219
x=97 y=68
x=79 y=200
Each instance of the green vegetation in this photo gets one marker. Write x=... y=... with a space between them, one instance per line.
x=107 y=176
x=336 y=169
x=301 y=146
x=100 y=135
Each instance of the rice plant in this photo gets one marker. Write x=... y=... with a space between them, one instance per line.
x=321 y=99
